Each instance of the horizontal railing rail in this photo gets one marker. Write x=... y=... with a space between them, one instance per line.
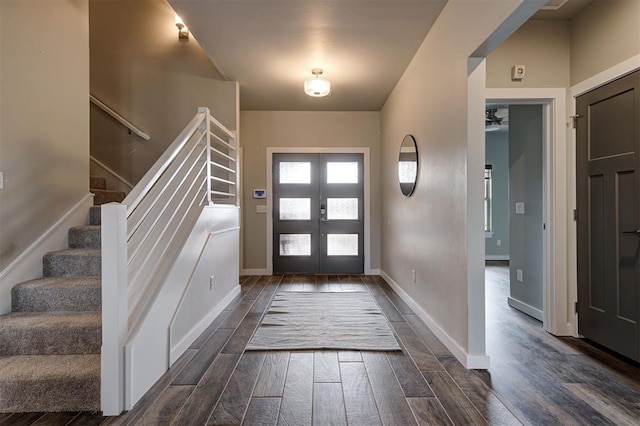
x=143 y=236
x=133 y=129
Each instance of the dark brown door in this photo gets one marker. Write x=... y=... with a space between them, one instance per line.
x=608 y=187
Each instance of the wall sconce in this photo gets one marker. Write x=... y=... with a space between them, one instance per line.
x=317 y=87
x=183 y=31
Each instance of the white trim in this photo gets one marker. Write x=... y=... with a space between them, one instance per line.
x=525 y=308
x=121 y=184
x=28 y=265
x=496 y=257
x=328 y=150
x=470 y=361
x=254 y=272
x=373 y=272
x=617 y=71
x=557 y=219
x=192 y=335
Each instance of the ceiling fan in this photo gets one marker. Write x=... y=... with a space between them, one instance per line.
x=494 y=118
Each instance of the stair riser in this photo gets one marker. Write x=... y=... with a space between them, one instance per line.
x=95 y=215
x=49 y=341
x=61 y=265
x=56 y=299
x=84 y=238
x=105 y=196
x=97 y=182
x=69 y=394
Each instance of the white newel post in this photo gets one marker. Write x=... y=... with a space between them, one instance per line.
x=115 y=311
x=206 y=125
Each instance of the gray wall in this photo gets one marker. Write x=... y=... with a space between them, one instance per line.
x=44 y=117
x=526 y=185
x=262 y=129
x=140 y=69
x=497 y=154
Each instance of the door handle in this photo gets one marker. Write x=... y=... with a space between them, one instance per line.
x=637 y=232
x=323 y=212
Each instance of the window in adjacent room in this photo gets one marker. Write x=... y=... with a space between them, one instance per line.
x=487 y=199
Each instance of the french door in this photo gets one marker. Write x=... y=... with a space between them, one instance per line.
x=318 y=213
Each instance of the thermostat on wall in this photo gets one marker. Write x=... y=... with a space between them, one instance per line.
x=517 y=72
x=259 y=193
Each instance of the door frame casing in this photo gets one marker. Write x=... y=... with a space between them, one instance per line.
x=556 y=319
x=607 y=76
x=324 y=150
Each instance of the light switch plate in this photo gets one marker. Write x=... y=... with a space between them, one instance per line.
x=1 y=180
x=519 y=275
x=519 y=208
x=261 y=208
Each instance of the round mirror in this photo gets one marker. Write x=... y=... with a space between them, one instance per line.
x=408 y=165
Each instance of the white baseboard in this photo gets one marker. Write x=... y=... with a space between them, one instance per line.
x=527 y=309
x=496 y=257
x=182 y=346
x=254 y=272
x=28 y=265
x=372 y=272
x=469 y=361
x=114 y=180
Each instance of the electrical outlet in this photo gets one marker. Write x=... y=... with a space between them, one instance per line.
x=413 y=275
x=519 y=208
x=498 y=243
x=519 y=275
x=211 y=282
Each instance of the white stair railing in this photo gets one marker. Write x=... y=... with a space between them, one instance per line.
x=142 y=236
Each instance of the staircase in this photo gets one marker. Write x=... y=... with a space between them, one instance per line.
x=50 y=342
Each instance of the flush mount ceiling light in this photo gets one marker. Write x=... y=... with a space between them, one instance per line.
x=317 y=86
x=183 y=31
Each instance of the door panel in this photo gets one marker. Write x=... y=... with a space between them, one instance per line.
x=608 y=192
x=318 y=213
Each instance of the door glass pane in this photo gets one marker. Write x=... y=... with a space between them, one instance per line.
x=295 y=208
x=295 y=172
x=295 y=244
x=342 y=244
x=342 y=208
x=342 y=172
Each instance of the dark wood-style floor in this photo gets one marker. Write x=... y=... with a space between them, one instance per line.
x=534 y=378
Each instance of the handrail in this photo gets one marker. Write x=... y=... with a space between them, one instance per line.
x=142 y=237
x=97 y=102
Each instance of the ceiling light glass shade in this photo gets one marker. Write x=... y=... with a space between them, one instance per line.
x=317 y=87
x=491 y=127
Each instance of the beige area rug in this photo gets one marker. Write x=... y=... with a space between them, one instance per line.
x=312 y=320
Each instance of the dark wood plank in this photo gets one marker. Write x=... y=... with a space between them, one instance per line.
x=433 y=343
x=387 y=307
x=328 y=404
x=235 y=399
x=429 y=412
x=480 y=395
x=21 y=419
x=206 y=334
x=55 y=419
x=89 y=419
x=349 y=356
x=165 y=408
x=322 y=283
x=297 y=284
x=608 y=407
x=334 y=283
x=392 y=405
x=325 y=367
x=262 y=412
x=132 y=417
x=241 y=336
x=248 y=285
x=199 y=406
x=237 y=314
x=409 y=377
x=454 y=401
x=272 y=375
x=345 y=283
x=359 y=401
x=400 y=304
x=298 y=391
x=262 y=302
x=255 y=290
x=195 y=369
x=274 y=282
x=416 y=348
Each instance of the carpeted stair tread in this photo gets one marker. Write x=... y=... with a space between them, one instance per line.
x=103 y=196
x=50 y=383
x=95 y=215
x=50 y=333
x=57 y=294
x=87 y=236
x=72 y=263
x=97 y=182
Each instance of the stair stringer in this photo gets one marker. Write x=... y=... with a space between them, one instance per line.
x=147 y=354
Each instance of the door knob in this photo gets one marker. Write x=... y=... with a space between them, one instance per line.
x=637 y=232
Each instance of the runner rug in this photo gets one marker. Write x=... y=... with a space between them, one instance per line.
x=315 y=320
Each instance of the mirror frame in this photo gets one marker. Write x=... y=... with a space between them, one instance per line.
x=409 y=141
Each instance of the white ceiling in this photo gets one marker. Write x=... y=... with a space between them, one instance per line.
x=270 y=47
x=363 y=46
